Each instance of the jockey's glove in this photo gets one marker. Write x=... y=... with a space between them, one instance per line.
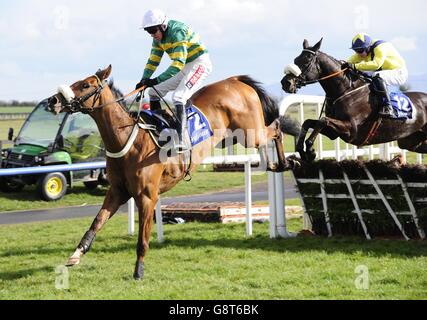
x=146 y=83
x=347 y=65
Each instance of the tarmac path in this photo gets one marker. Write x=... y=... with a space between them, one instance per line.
x=259 y=193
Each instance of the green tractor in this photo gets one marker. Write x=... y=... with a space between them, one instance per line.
x=46 y=139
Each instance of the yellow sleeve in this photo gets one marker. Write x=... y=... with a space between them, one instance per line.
x=372 y=65
x=355 y=58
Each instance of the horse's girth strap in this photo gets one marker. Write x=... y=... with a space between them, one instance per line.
x=372 y=132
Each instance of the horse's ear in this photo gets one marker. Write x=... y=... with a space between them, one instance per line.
x=318 y=45
x=104 y=74
x=305 y=44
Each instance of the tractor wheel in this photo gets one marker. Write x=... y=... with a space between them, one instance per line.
x=52 y=186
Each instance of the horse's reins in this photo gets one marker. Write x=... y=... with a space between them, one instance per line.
x=304 y=82
x=97 y=93
x=76 y=104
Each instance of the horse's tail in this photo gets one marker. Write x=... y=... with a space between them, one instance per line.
x=271 y=108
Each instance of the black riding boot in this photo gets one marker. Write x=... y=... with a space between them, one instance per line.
x=155 y=105
x=181 y=125
x=387 y=109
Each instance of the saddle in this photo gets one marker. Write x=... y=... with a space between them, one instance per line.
x=161 y=127
x=402 y=105
x=158 y=121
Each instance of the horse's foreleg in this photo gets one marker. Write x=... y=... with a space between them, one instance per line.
x=112 y=202
x=308 y=124
x=332 y=128
x=310 y=152
x=146 y=206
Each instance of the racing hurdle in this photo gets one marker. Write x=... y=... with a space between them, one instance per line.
x=276 y=198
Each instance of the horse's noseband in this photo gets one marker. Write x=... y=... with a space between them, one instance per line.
x=76 y=104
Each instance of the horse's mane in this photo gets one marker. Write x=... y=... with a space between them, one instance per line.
x=332 y=58
x=117 y=93
x=352 y=76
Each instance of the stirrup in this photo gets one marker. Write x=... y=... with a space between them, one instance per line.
x=181 y=148
x=387 y=112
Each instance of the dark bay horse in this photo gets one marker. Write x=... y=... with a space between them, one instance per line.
x=234 y=103
x=351 y=107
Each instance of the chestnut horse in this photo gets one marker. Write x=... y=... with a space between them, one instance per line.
x=234 y=103
x=351 y=107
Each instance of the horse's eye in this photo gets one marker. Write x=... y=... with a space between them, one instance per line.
x=86 y=85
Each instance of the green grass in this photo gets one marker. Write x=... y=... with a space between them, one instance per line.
x=5 y=125
x=206 y=261
x=202 y=182
x=4 y=109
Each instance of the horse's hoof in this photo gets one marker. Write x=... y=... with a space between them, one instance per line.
x=294 y=163
x=75 y=258
x=139 y=271
x=272 y=167
x=311 y=156
x=72 y=262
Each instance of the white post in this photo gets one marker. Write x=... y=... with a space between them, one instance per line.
x=385 y=152
x=301 y=113
x=404 y=155
x=371 y=153
x=337 y=149
x=354 y=152
x=248 y=197
x=272 y=202
x=159 y=221
x=280 y=205
x=347 y=152
x=320 y=136
x=131 y=216
x=382 y=154
x=420 y=158
x=272 y=190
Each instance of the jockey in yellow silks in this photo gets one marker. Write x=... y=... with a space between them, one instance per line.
x=383 y=61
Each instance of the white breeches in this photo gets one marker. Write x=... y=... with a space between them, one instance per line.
x=395 y=77
x=186 y=82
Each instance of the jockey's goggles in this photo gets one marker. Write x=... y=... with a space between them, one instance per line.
x=152 y=30
x=361 y=50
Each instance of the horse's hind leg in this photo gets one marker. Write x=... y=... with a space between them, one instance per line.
x=112 y=202
x=275 y=134
x=416 y=142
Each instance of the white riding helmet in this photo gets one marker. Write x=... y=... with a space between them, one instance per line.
x=153 y=18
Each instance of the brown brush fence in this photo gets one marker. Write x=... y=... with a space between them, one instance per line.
x=371 y=199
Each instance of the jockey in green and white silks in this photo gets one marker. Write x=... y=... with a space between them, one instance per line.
x=383 y=62
x=190 y=66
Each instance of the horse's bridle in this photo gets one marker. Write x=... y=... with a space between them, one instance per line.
x=76 y=104
x=301 y=82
